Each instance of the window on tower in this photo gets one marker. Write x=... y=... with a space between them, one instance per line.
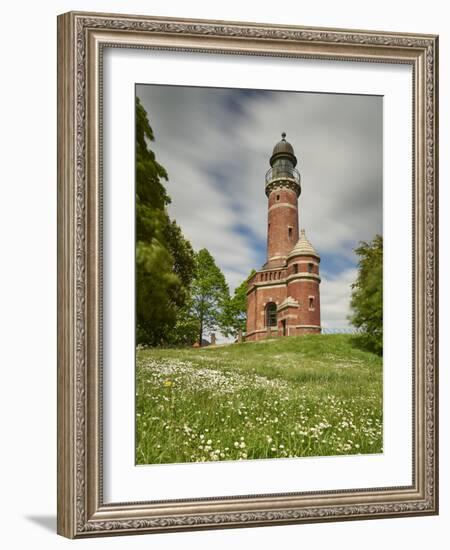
x=295 y=268
x=271 y=314
x=278 y=198
x=290 y=232
x=310 y=268
x=311 y=302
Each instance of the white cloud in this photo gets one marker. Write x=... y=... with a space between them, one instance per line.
x=335 y=293
x=216 y=145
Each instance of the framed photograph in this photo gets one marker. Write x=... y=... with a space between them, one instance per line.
x=247 y=274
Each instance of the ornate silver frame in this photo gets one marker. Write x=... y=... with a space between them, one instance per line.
x=81 y=38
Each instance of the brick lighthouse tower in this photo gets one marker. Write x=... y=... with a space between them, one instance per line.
x=283 y=297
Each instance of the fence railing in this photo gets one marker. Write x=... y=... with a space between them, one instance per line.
x=346 y=330
x=286 y=171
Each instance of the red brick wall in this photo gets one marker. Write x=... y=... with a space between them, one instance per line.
x=277 y=280
x=251 y=301
x=264 y=296
x=282 y=215
x=303 y=263
x=257 y=301
x=303 y=288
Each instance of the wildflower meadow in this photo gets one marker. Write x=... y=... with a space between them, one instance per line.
x=314 y=395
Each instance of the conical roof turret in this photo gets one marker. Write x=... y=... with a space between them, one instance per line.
x=303 y=247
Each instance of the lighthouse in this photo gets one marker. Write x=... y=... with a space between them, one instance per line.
x=283 y=297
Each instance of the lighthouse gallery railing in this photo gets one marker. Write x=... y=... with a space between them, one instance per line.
x=283 y=171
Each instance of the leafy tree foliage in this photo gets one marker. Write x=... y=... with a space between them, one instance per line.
x=367 y=294
x=185 y=331
x=209 y=294
x=235 y=315
x=164 y=258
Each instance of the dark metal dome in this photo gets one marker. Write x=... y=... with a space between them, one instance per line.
x=283 y=149
x=283 y=146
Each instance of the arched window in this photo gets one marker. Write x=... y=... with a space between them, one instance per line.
x=271 y=314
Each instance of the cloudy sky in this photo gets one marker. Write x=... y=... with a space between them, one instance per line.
x=215 y=145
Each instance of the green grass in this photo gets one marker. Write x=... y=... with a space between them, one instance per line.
x=314 y=395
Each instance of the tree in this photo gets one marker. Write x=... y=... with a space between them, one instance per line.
x=367 y=294
x=235 y=318
x=209 y=294
x=164 y=258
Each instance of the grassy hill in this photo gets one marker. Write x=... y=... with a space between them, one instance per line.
x=315 y=395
